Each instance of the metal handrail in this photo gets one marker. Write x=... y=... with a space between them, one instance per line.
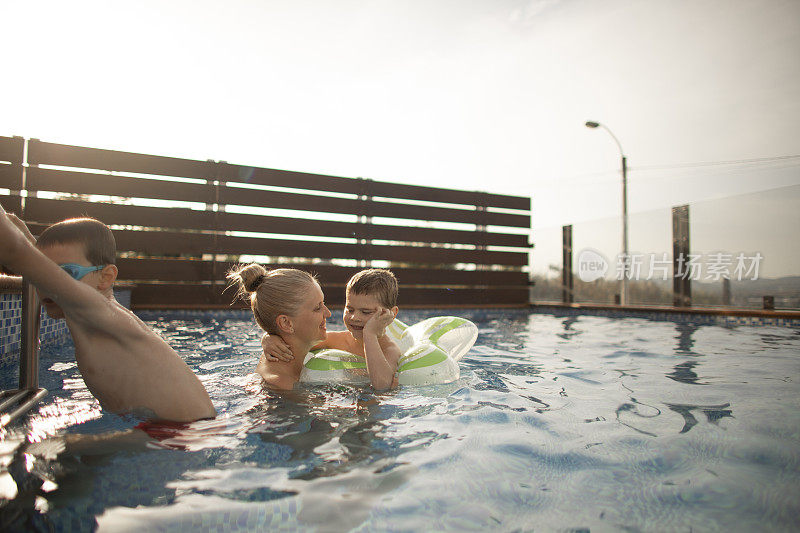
x=21 y=400
x=29 y=338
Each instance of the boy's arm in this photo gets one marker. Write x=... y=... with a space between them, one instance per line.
x=392 y=352
x=79 y=300
x=274 y=349
x=22 y=227
x=334 y=340
x=380 y=370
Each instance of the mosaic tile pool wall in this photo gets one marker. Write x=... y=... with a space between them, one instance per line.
x=50 y=330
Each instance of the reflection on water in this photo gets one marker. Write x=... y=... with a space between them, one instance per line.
x=636 y=409
x=685 y=338
x=713 y=413
x=684 y=373
x=568 y=331
x=562 y=423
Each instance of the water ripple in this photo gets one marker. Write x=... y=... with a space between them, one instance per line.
x=568 y=423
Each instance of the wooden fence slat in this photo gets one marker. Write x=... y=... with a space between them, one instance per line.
x=165 y=242
x=158 y=296
x=462 y=297
x=196 y=271
x=286 y=200
x=329 y=204
x=44 y=153
x=168 y=270
x=351 y=230
x=51 y=210
x=177 y=296
x=300 y=226
x=432 y=235
x=418 y=212
x=11 y=177
x=11 y=204
x=333 y=274
x=451 y=196
x=11 y=149
x=303 y=180
x=286 y=178
x=43 y=179
x=48 y=210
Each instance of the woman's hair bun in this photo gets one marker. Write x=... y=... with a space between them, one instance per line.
x=249 y=277
x=271 y=293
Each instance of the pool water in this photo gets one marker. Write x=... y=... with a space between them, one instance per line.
x=557 y=423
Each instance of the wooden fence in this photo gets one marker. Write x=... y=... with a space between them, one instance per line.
x=180 y=224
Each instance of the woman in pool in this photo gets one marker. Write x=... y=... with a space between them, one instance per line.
x=288 y=303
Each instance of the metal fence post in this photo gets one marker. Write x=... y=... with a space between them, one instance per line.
x=566 y=271
x=726 y=292
x=364 y=217
x=681 y=281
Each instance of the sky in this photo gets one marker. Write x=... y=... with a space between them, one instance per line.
x=490 y=95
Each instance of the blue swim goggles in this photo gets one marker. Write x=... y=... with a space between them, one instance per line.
x=78 y=271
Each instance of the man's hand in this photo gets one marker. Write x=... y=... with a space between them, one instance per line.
x=275 y=349
x=22 y=227
x=10 y=237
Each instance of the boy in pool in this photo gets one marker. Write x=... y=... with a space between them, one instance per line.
x=370 y=306
x=125 y=365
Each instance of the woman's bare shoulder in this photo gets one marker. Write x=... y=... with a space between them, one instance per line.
x=276 y=374
x=278 y=382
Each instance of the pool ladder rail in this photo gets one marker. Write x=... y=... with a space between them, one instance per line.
x=16 y=402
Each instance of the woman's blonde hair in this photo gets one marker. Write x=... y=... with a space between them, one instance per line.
x=271 y=292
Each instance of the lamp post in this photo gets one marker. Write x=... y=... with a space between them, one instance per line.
x=623 y=299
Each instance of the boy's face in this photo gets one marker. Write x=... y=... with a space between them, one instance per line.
x=358 y=309
x=67 y=253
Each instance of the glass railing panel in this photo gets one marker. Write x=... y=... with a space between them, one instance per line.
x=741 y=250
x=650 y=252
x=546 y=265
x=595 y=246
x=753 y=240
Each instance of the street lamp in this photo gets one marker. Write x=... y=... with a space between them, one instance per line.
x=624 y=291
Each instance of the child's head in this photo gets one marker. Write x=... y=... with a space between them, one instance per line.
x=94 y=239
x=85 y=249
x=375 y=282
x=366 y=292
x=283 y=300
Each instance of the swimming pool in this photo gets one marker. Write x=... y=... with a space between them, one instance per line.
x=557 y=423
